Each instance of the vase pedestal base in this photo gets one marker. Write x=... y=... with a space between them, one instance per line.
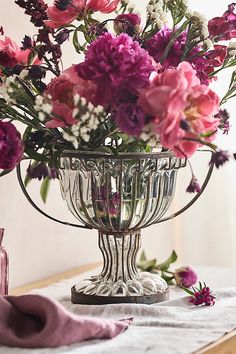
x=83 y=299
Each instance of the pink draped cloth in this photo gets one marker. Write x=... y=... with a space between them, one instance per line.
x=34 y=321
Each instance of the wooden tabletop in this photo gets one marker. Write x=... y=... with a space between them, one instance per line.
x=225 y=345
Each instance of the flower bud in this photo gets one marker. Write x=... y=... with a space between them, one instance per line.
x=185 y=276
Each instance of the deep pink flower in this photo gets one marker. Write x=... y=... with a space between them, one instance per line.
x=11 y=54
x=202 y=296
x=62 y=116
x=193 y=187
x=127 y=23
x=118 y=65
x=60 y=18
x=224 y=27
x=157 y=45
x=105 y=6
x=185 y=276
x=11 y=146
x=130 y=118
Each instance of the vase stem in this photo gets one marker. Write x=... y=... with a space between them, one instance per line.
x=119 y=254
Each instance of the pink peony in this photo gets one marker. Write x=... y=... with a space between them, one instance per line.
x=62 y=89
x=11 y=146
x=11 y=54
x=185 y=277
x=60 y=18
x=176 y=96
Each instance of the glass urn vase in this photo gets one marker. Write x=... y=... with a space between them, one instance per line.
x=3 y=267
x=118 y=196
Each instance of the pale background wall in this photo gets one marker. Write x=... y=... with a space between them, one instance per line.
x=39 y=248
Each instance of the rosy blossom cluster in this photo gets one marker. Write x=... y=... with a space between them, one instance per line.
x=62 y=91
x=181 y=108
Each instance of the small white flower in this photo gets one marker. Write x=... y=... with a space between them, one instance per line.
x=41 y=116
x=98 y=109
x=83 y=101
x=208 y=44
x=47 y=108
x=90 y=106
x=24 y=73
x=159 y=23
x=75 y=112
x=76 y=99
x=232 y=45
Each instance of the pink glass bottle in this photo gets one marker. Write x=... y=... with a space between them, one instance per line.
x=3 y=267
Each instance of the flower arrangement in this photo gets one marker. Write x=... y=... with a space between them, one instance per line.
x=143 y=84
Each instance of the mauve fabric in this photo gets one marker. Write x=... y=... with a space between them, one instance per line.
x=34 y=321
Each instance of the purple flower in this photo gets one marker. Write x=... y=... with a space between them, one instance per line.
x=219 y=158
x=202 y=296
x=11 y=146
x=118 y=65
x=128 y=23
x=41 y=171
x=130 y=118
x=194 y=186
x=223 y=115
x=185 y=277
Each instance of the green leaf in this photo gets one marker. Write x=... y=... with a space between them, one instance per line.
x=143 y=257
x=5 y=172
x=45 y=189
x=165 y=265
x=147 y=266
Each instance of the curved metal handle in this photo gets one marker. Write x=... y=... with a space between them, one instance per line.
x=208 y=176
x=19 y=177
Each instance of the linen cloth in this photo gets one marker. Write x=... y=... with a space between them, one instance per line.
x=171 y=327
x=34 y=321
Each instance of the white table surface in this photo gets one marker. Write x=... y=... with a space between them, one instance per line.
x=172 y=327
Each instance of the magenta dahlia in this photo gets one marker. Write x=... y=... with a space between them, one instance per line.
x=118 y=65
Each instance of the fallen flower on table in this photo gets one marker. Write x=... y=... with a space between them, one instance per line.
x=183 y=277
x=201 y=296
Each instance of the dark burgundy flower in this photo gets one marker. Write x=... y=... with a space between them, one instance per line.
x=127 y=23
x=130 y=119
x=37 y=72
x=26 y=43
x=185 y=276
x=194 y=186
x=62 y=36
x=63 y=5
x=41 y=171
x=223 y=116
x=202 y=296
x=36 y=9
x=116 y=65
x=11 y=146
x=224 y=27
x=37 y=172
x=219 y=158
